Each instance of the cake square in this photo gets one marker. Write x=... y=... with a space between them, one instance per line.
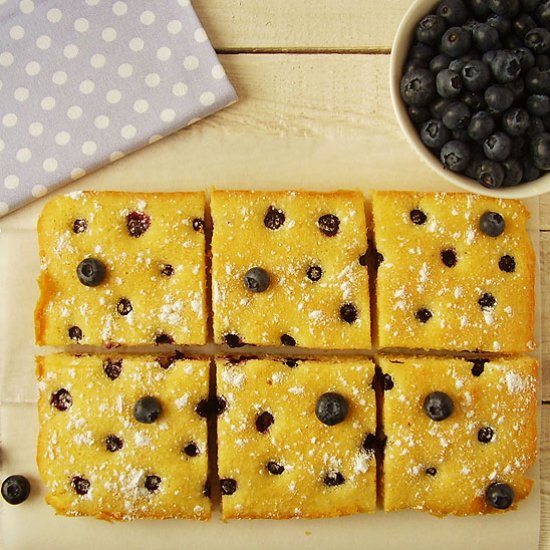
x=122 y=269
x=276 y=458
x=458 y=463
x=97 y=459
x=288 y=268
x=445 y=284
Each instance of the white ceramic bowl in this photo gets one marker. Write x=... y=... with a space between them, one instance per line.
x=400 y=49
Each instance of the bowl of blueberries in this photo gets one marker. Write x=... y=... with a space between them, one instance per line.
x=470 y=85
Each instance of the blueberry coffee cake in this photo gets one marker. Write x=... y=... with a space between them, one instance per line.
x=456 y=272
x=124 y=438
x=460 y=434
x=296 y=438
x=289 y=268
x=122 y=268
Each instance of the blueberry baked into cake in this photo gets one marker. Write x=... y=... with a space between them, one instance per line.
x=124 y=437
x=288 y=268
x=460 y=434
x=456 y=272
x=122 y=268
x=296 y=438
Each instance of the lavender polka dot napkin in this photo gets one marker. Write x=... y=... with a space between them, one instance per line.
x=83 y=82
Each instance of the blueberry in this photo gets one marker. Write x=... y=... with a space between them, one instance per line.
x=438 y=406
x=497 y=146
x=536 y=127
x=537 y=81
x=331 y=408
x=198 y=225
x=530 y=171
x=314 y=273
x=526 y=58
x=163 y=338
x=61 y=400
x=191 y=449
x=454 y=12
x=413 y=64
x=517 y=87
x=520 y=148
x=515 y=122
x=418 y=114
x=167 y=270
x=485 y=37
x=137 y=223
x=508 y=8
x=16 y=489
x=91 y=272
x=529 y=6
x=538 y=40
x=455 y=155
x=329 y=225
x=480 y=8
x=147 y=409
x=417 y=216
x=501 y=23
x=507 y=264
x=112 y=368
x=439 y=62
x=80 y=485
x=485 y=434
x=477 y=157
x=113 y=443
x=478 y=367
x=233 y=340
x=511 y=42
x=540 y=148
x=487 y=301
x=473 y=100
x=456 y=42
x=220 y=405
x=448 y=257
x=228 y=486
x=448 y=83
x=434 y=134
x=333 y=479
x=274 y=468
x=349 y=313
x=475 y=75
x=274 y=218
x=457 y=115
x=257 y=279
x=481 y=126
x=513 y=172
x=438 y=107
x=522 y=24
x=490 y=174
x=421 y=52
x=124 y=306
x=287 y=340
x=423 y=315
x=75 y=333
x=542 y=61
x=505 y=66
x=543 y=14
x=431 y=471
x=370 y=444
x=291 y=363
x=387 y=382
x=430 y=29
x=488 y=56
x=80 y=225
x=499 y=496
x=152 y=483
x=264 y=421
x=202 y=408
x=457 y=65
x=499 y=98
x=492 y=224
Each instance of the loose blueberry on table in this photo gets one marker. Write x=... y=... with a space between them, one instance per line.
x=16 y=489
x=477 y=88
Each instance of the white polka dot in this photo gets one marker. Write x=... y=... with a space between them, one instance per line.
x=54 y=15
x=191 y=62
x=200 y=35
x=26 y=6
x=17 y=32
x=48 y=103
x=9 y=120
x=62 y=138
x=74 y=112
x=179 y=89
x=81 y=24
x=43 y=42
x=101 y=122
x=6 y=59
x=23 y=155
x=120 y=8
x=128 y=131
x=136 y=44
x=59 y=78
x=113 y=96
x=218 y=71
x=207 y=98
x=89 y=148
x=125 y=70
x=36 y=129
x=86 y=87
x=11 y=181
x=115 y=155
x=108 y=34
x=77 y=173
x=33 y=68
x=93 y=2
x=97 y=61
x=154 y=138
x=174 y=26
x=38 y=191
x=70 y=51
x=147 y=17
x=164 y=53
x=168 y=115
x=141 y=106
x=2 y=145
x=50 y=165
x=184 y=3
x=152 y=80
x=21 y=94
x=4 y=208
